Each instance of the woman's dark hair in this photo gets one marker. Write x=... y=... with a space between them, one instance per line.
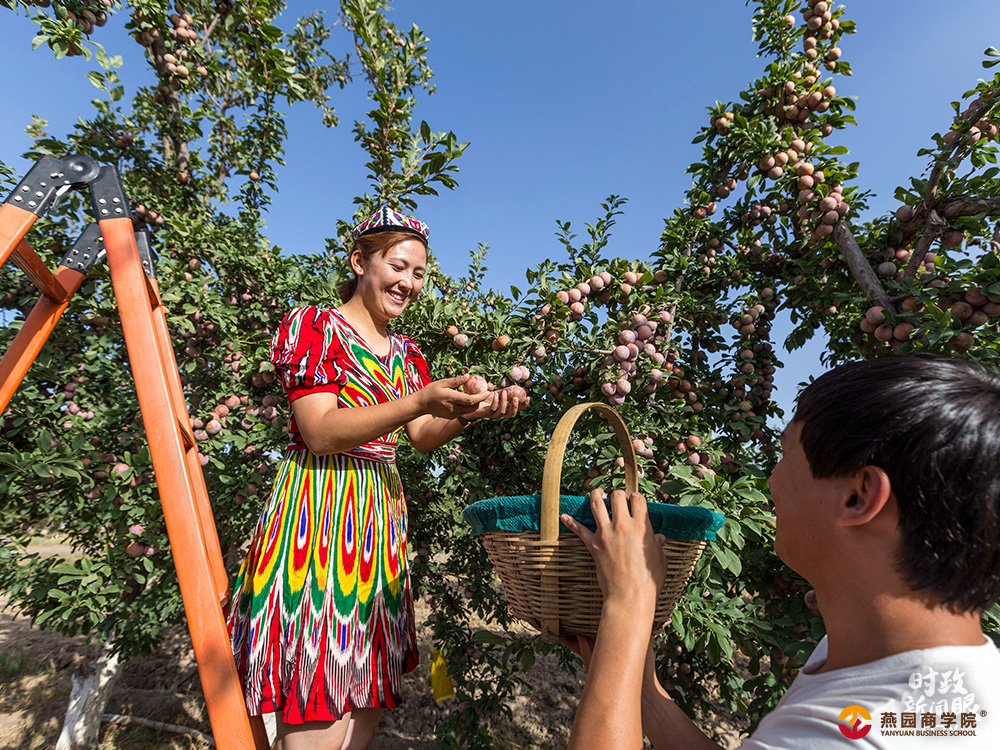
x=932 y=423
x=370 y=245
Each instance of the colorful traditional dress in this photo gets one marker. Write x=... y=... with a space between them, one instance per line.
x=322 y=614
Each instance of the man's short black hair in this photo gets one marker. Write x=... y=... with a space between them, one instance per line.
x=933 y=424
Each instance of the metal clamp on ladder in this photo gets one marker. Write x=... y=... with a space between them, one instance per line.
x=188 y=514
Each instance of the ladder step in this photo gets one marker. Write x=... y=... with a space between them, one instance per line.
x=25 y=258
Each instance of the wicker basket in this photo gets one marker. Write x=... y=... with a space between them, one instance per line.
x=549 y=577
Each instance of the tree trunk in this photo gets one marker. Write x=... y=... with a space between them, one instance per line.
x=87 y=699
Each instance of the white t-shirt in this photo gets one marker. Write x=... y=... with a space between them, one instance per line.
x=938 y=698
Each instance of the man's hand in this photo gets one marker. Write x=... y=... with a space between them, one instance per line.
x=628 y=557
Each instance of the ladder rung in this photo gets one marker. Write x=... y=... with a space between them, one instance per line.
x=38 y=273
x=186 y=433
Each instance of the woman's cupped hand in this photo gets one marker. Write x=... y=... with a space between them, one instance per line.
x=444 y=398
x=506 y=402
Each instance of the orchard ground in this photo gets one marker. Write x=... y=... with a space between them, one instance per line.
x=36 y=667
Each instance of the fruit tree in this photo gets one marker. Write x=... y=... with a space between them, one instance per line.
x=680 y=341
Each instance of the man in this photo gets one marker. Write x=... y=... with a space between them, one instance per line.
x=887 y=500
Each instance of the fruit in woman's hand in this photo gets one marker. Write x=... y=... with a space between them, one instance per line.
x=475 y=385
x=516 y=392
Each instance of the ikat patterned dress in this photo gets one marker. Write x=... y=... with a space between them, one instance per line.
x=322 y=614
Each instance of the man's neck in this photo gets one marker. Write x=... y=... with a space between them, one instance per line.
x=862 y=628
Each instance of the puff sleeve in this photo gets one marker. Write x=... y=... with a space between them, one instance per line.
x=418 y=372
x=307 y=353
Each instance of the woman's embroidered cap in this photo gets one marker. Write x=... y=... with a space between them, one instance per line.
x=387 y=219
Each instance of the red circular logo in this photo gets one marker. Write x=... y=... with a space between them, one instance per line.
x=855 y=722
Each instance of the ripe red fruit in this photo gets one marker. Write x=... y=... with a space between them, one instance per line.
x=460 y=340
x=500 y=342
x=903 y=331
x=962 y=310
x=518 y=373
x=516 y=392
x=884 y=332
x=886 y=269
x=475 y=385
x=875 y=314
x=135 y=549
x=952 y=239
x=962 y=341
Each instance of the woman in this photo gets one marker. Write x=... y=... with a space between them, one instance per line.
x=322 y=618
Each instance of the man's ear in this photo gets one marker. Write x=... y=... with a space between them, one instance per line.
x=869 y=492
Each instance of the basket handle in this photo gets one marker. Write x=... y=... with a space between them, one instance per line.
x=551 y=480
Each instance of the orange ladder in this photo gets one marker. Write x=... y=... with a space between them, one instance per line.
x=186 y=509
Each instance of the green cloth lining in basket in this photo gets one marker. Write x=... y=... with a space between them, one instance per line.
x=521 y=513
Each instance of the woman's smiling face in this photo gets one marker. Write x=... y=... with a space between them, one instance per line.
x=389 y=282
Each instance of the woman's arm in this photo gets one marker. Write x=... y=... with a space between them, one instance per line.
x=327 y=429
x=427 y=433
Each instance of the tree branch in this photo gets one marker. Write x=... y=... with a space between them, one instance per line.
x=209 y=29
x=949 y=208
x=947 y=161
x=181 y=152
x=860 y=268
x=158 y=725
x=934 y=226
x=968 y=205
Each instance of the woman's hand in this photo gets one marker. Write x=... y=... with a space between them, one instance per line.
x=629 y=558
x=443 y=399
x=507 y=402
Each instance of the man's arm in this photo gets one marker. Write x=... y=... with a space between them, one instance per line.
x=663 y=722
x=629 y=569
x=621 y=698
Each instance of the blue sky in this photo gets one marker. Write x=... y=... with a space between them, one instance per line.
x=564 y=103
